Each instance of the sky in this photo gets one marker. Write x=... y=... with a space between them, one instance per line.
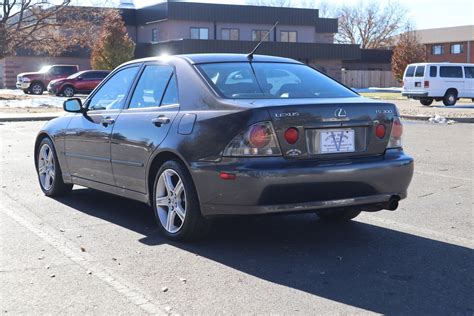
x=424 y=14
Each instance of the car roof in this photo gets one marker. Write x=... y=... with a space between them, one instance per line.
x=441 y=64
x=217 y=58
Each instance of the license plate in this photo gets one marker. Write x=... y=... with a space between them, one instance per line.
x=418 y=84
x=336 y=141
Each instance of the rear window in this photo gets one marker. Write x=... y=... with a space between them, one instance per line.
x=420 y=71
x=433 y=71
x=469 y=71
x=410 y=71
x=450 y=71
x=242 y=80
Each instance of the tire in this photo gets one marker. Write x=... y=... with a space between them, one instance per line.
x=36 y=88
x=49 y=172
x=450 y=98
x=68 y=91
x=426 y=101
x=170 y=195
x=338 y=215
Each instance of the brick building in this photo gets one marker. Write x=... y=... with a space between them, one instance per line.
x=175 y=27
x=449 y=44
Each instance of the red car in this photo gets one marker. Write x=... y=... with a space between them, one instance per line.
x=80 y=82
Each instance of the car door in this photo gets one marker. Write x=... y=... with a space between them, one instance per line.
x=87 y=141
x=82 y=81
x=142 y=126
x=469 y=81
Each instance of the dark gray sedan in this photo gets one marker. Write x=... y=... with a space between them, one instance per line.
x=198 y=136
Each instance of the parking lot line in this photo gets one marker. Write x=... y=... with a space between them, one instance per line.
x=443 y=175
x=415 y=230
x=73 y=252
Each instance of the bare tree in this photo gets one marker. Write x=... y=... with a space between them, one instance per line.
x=45 y=26
x=370 y=25
x=407 y=50
x=27 y=23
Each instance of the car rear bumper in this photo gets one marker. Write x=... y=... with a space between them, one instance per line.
x=23 y=85
x=272 y=185
x=415 y=94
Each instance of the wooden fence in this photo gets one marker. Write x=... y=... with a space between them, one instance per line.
x=369 y=78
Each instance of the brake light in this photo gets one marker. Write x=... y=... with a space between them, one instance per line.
x=258 y=140
x=427 y=84
x=291 y=135
x=259 y=136
x=380 y=131
x=396 y=134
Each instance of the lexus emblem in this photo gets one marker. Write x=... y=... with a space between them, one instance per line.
x=340 y=113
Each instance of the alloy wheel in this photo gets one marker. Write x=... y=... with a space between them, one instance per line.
x=37 y=89
x=46 y=168
x=170 y=201
x=68 y=92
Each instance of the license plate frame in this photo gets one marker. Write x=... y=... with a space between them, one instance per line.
x=335 y=141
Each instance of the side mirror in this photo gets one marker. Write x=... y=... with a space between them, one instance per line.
x=73 y=105
x=79 y=78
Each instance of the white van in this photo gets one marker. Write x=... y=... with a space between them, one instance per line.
x=438 y=81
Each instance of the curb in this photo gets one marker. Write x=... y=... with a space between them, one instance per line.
x=27 y=118
x=426 y=118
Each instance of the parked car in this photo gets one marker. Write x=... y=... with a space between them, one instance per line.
x=36 y=82
x=445 y=82
x=80 y=82
x=198 y=136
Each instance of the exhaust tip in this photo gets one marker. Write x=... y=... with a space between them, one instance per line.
x=392 y=204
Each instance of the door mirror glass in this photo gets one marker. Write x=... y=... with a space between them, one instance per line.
x=73 y=105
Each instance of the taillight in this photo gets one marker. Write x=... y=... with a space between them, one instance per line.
x=258 y=140
x=396 y=134
x=291 y=135
x=380 y=131
x=427 y=84
x=259 y=136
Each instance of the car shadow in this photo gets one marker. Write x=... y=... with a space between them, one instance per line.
x=366 y=266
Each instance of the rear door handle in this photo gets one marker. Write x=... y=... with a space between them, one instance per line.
x=107 y=121
x=160 y=120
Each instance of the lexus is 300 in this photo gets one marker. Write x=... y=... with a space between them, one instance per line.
x=199 y=136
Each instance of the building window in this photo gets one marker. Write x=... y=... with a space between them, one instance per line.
x=154 y=35
x=200 y=33
x=288 y=36
x=437 y=49
x=259 y=35
x=230 y=34
x=457 y=48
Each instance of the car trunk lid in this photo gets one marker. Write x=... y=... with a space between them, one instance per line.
x=331 y=128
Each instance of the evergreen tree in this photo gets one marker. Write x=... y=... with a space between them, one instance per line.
x=114 y=46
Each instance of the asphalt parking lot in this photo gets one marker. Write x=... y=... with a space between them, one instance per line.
x=91 y=252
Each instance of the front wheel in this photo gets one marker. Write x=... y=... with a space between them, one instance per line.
x=176 y=204
x=68 y=91
x=37 y=88
x=426 y=101
x=49 y=171
x=338 y=215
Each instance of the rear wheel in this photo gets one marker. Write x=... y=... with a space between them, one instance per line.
x=339 y=215
x=450 y=97
x=49 y=171
x=426 y=101
x=68 y=91
x=176 y=204
x=37 y=88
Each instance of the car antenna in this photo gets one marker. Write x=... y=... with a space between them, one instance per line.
x=250 y=55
